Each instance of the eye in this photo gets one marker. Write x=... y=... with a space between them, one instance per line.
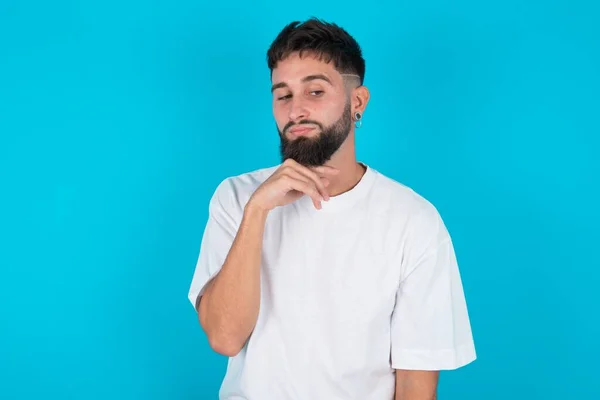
x=317 y=93
x=285 y=97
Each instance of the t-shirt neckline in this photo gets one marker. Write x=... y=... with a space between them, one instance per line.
x=345 y=200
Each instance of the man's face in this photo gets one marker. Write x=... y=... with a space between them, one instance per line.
x=311 y=108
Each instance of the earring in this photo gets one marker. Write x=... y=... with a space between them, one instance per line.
x=357 y=118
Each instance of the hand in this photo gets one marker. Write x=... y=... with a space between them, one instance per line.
x=292 y=181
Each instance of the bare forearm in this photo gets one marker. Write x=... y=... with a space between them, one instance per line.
x=229 y=307
x=416 y=385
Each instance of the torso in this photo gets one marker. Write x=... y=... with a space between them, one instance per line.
x=328 y=287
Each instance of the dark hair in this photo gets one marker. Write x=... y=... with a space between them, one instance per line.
x=327 y=41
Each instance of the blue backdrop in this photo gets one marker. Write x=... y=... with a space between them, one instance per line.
x=119 y=118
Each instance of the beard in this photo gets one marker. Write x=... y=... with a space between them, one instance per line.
x=316 y=151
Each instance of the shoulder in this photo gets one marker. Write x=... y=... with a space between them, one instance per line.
x=402 y=201
x=412 y=221
x=419 y=229
x=234 y=191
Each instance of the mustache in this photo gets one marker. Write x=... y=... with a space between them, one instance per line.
x=303 y=122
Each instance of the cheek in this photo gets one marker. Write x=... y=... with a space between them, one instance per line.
x=281 y=116
x=330 y=110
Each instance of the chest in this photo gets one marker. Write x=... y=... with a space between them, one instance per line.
x=333 y=269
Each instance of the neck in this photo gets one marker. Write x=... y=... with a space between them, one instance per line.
x=351 y=171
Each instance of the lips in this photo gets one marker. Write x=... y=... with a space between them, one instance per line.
x=300 y=130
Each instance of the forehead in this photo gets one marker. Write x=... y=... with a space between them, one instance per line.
x=293 y=68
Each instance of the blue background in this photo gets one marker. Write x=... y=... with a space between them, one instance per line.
x=119 y=118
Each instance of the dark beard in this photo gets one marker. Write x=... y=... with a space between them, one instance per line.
x=316 y=151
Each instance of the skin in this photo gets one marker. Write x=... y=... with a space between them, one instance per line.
x=303 y=89
x=295 y=100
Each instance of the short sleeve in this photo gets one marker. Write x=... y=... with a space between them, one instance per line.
x=430 y=327
x=218 y=236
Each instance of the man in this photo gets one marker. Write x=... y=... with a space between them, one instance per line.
x=321 y=278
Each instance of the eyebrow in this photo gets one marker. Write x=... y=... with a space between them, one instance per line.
x=305 y=79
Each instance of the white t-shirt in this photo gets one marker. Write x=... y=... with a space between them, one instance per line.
x=366 y=285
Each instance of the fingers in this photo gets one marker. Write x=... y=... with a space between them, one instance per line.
x=322 y=169
x=327 y=170
x=313 y=175
x=296 y=181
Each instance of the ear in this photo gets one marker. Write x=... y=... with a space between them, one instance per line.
x=360 y=98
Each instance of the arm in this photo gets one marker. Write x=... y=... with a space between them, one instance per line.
x=416 y=385
x=228 y=310
x=431 y=331
x=225 y=288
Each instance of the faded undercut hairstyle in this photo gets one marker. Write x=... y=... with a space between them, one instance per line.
x=327 y=41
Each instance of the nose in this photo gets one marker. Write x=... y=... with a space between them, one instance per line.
x=297 y=110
